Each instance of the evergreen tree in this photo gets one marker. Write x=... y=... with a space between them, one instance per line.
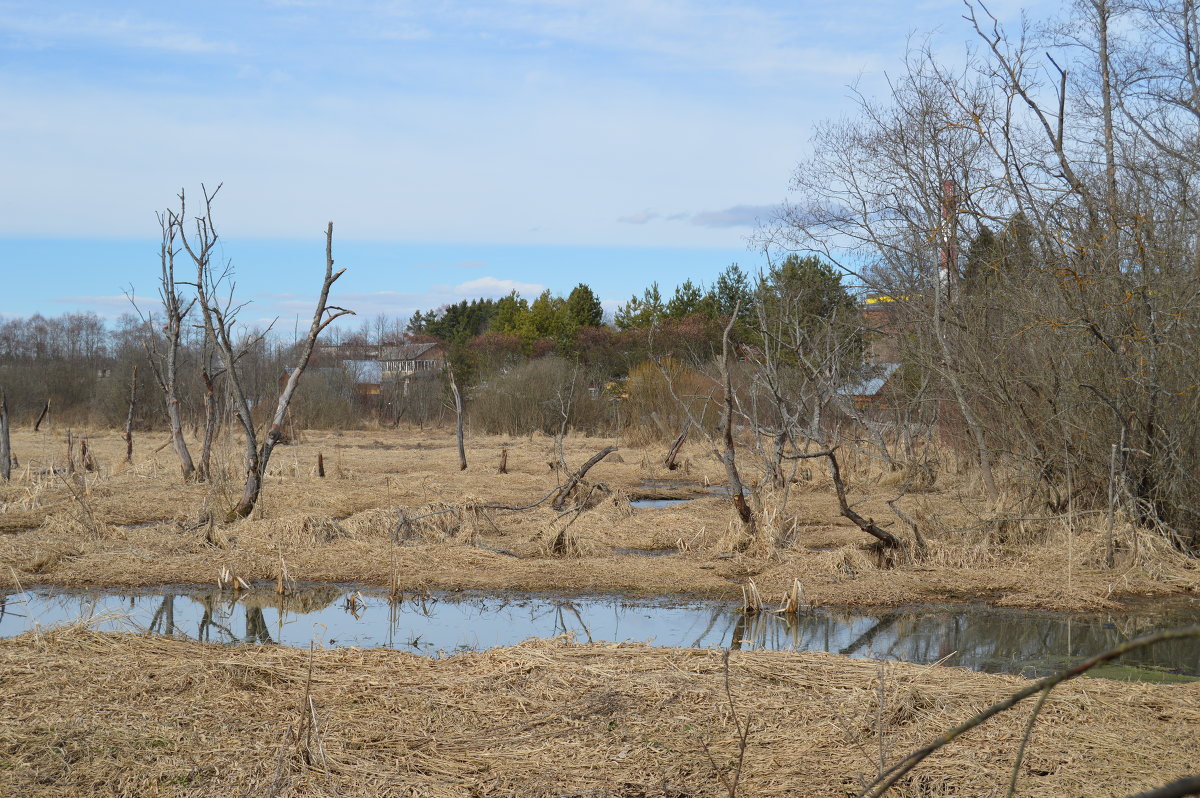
x=732 y=289
x=645 y=312
x=584 y=308
x=688 y=299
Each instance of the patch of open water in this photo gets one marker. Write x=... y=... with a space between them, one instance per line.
x=974 y=636
x=651 y=504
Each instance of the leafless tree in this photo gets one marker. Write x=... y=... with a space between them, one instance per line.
x=214 y=288
x=129 y=416
x=458 y=417
x=1050 y=308
x=5 y=443
x=163 y=352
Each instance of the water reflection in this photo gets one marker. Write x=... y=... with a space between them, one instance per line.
x=982 y=638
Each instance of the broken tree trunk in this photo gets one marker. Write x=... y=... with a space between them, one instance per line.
x=677 y=445
x=321 y=465
x=41 y=416
x=129 y=417
x=561 y=498
x=867 y=525
x=6 y=457
x=458 y=418
x=504 y=461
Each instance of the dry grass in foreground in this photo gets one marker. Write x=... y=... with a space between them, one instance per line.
x=138 y=525
x=115 y=714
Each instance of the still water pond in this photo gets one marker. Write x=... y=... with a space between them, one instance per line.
x=977 y=637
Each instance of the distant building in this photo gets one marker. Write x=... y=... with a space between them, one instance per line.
x=372 y=368
x=407 y=360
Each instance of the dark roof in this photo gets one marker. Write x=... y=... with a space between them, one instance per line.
x=405 y=351
x=871 y=382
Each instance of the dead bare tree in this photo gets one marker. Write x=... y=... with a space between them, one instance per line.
x=560 y=498
x=42 y=416
x=214 y=291
x=737 y=492
x=129 y=417
x=673 y=452
x=164 y=356
x=209 y=374
x=1067 y=321
x=458 y=417
x=5 y=443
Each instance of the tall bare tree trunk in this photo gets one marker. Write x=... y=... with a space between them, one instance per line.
x=165 y=362
x=129 y=417
x=5 y=444
x=458 y=418
x=211 y=420
x=1104 y=12
x=729 y=457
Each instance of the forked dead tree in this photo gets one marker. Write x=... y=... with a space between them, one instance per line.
x=214 y=291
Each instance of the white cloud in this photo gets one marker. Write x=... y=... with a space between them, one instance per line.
x=119 y=31
x=736 y=216
x=638 y=218
x=493 y=287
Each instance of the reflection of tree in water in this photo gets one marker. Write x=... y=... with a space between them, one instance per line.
x=561 y=625
x=982 y=639
x=219 y=608
x=256 y=627
x=163 y=620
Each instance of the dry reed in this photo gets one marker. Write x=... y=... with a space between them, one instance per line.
x=117 y=714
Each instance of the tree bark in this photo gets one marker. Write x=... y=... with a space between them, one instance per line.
x=737 y=492
x=677 y=445
x=5 y=444
x=129 y=417
x=165 y=362
x=41 y=416
x=204 y=470
x=458 y=418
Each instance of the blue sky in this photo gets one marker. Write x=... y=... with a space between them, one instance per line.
x=461 y=148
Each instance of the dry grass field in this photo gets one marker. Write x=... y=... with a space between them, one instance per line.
x=139 y=525
x=117 y=714
x=89 y=714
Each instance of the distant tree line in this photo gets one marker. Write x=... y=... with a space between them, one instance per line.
x=520 y=361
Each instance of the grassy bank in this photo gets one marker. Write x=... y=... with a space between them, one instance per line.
x=91 y=714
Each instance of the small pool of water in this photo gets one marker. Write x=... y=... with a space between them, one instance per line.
x=645 y=504
x=977 y=637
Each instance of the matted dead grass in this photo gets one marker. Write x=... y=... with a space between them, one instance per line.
x=119 y=714
x=391 y=509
